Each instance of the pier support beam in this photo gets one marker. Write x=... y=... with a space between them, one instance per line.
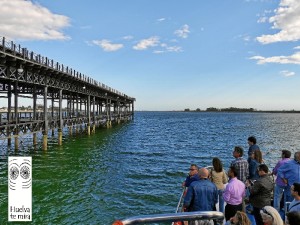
x=34 y=139
x=52 y=114
x=9 y=114
x=16 y=132
x=89 y=115
x=45 y=130
x=60 y=123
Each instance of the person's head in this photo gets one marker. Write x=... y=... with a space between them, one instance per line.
x=297 y=156
x=251 y=140
x=193 y=169
x=240 y=218
x=295 y=190
x=270 y=216
x=292 y=218
x=232 y=172
x=262 y=169
x=286 y=154
x=203 y=173
x=237 y=152
x=217 y=164
x=258 y=156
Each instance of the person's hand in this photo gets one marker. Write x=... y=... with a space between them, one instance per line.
x=284 y=180
x=247 y=183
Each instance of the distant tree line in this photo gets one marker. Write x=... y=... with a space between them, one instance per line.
x=234 y=109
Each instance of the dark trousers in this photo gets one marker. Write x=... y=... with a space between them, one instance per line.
x=230 y=210
x=257 y=216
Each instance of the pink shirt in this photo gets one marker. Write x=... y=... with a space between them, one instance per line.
x=234 y=192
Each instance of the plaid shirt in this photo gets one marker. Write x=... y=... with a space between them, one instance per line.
x=242 y=167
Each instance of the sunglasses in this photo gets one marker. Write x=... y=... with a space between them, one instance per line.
x=266 y=212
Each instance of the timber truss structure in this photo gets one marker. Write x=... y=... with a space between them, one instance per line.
x=80 y=99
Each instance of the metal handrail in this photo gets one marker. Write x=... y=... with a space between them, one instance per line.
x=173 y=217
x=180 y=200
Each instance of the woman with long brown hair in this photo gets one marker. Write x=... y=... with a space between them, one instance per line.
x=219 y=178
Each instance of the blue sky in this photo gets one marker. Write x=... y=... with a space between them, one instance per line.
x=171 y=54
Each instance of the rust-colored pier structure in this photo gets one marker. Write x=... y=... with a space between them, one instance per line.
x=69 y=98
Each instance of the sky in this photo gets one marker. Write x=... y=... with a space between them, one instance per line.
x=171 y=54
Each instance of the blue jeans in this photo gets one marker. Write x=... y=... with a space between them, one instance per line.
x=278 y=195
x=221 y=201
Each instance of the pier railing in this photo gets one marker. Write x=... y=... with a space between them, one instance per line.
x=17 y=50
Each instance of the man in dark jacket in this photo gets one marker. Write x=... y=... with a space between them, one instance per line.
x=260 y=192
x=202 y=195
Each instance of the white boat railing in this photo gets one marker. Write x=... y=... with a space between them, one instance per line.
x=180 y=201
x=218 y=217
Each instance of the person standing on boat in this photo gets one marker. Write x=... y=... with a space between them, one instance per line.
x=233 y=194
x=202 y=195
x=280 y=186
x=252 y=146
x=255 y=161
x=240 y=164
x=289 y=172
x=193 y=175
x=219 y=178
x=295 y=204
x=260 y=192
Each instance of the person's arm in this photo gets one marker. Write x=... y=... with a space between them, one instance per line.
x=225 y=178
x=216 y=195
x=275 y=170
x=188 y=198
x=281 y=172
x=252 y=169
x=255 y=188
x=226 y=193
x=247 y=169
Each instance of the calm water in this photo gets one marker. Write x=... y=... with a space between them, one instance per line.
x=137 y=168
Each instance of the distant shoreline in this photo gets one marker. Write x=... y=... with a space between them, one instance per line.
x=194 y=111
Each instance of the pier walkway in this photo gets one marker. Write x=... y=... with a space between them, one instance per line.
x=69 y=98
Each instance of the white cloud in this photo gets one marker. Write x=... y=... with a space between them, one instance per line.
x=161 y=19
x=128 y=37
x=25 y=20
x=158 y=51
x=107 y=46
x=165 y=48
x=147 y=43
x=292 y=59
x=287 y=73
x=183 y=32
x=263 y=19
x=286 y=20
x=297 y=47
x=174 y=49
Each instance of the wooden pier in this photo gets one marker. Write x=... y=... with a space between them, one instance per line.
x=69 y=98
